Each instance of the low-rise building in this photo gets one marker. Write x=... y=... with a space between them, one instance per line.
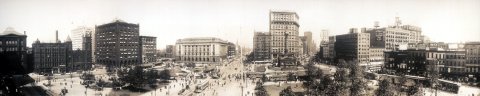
x=207 y=50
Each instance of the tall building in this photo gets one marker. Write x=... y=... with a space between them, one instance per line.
x=206 y=50
x=310 y=46
x=261 y=46
x=329 y=53
x=117 y=43
x=148 y=49
x=353 y=46
x=83 y=58
x=77 y=37
x=53 y=57
x=13 y=53
x=324 y=36
x=284 y=29
x=393 y=36
x=232 y=50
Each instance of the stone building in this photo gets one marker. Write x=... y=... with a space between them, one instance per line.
x=205 y=50
x=148 y=49
x=353 y=46
x=117 y=44
x=53 y=57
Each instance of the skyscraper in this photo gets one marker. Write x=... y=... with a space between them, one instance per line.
x=77 y=37
x=324 y=36
x=284 y=29
x=117 y=44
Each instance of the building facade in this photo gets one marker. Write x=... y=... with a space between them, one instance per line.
x=117 y=44
x=13 y=53
x=83 y=58
x=261 y=46
x=284 y=34
x=232 y=50
x=77 y=37
x=392 y=36
x=53 y=57
x=310 y=46
x=472 y=63
x=206 y=50
x=148 y=49
x=324 y=36
x=353 y=46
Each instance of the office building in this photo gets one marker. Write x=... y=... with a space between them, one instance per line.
x=205 y=50
x=353 y=46
x=324 y=36
x=117 y=44
x=309 y=47
x=261 y=46
x=148 y=49
x=53 y=57
x=232 y=50
x=77 y=37
x=284 y=34
x=83 y=58
x=472 y=63
x=393 y=36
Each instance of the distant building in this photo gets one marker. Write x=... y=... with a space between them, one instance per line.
x=207 y=50
x=261 y=46
x=77 y=37
x=310 y=46
x=170 y=51
x=284 y=25
x=393 y=36
x=353 y=46
x=329 y=53
x=324 y=36
x=83 y=58
x=53 y=57
x=13 y=53
x=148 y=49
x=117 y=44
x=232 y=50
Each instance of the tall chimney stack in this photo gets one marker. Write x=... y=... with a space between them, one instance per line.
x=56 y=36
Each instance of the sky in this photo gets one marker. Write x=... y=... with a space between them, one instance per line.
x=450 y=21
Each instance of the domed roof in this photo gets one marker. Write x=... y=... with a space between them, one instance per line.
x=10 y=30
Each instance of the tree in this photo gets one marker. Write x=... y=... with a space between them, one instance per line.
x=385 y=88
x=165 y=74
x=416 y=90
x=342 y=82
x=152 y=78
x=287 y=92
x=291 y=76
x=359 y=84
x=260 y=90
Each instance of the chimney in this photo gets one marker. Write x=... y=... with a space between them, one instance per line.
x=56 y=36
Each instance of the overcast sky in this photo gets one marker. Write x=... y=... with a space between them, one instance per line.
x=232 y=20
